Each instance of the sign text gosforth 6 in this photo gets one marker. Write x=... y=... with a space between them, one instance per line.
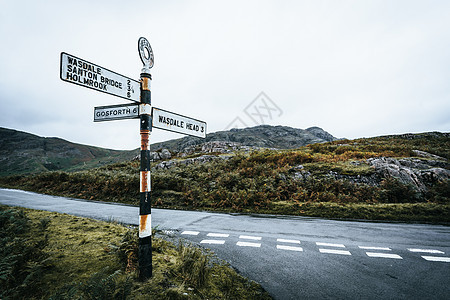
x=116 y=112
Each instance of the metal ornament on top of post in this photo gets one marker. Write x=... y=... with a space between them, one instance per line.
x=145 y=111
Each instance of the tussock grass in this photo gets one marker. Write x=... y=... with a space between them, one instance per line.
x=47 y=255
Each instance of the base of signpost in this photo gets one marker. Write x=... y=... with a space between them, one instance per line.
x=145 y=258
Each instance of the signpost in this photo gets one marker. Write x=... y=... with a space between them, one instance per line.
x=84 y=73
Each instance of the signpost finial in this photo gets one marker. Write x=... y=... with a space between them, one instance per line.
x=146 y=54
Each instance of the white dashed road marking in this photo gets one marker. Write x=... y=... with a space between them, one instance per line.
x=190 y=232
x=330 y=245
x=321 y=250
x=223 y=235
x=247 y=244
x=426 y=251
x=333 y=251
x=290 y=248
x=384 y=255
x=249 y=237
x=436 y=258
x=375 y=248
x=214 y=242
x=288 y=241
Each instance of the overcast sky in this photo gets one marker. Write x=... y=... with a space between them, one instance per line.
x=354 y=68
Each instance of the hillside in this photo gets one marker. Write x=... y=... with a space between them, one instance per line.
x=24 y=153
x=403 y=177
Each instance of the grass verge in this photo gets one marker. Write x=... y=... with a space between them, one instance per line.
x=47 y=255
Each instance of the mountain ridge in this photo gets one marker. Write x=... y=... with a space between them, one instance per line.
x=264 y=136
x=24 y=153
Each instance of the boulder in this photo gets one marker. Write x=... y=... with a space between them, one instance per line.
x=165 y=154
x=419 y=173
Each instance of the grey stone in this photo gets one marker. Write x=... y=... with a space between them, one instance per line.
x=417 y=172
x=165 y=154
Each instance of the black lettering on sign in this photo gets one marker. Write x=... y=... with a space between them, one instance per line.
x=128 y=88
x=111 y=82
x=171 y=121
x=84 y=73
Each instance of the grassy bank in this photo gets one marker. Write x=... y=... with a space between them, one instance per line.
x=294 y=182
x=46 y=255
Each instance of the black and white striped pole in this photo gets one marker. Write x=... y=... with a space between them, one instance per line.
x=145 y=112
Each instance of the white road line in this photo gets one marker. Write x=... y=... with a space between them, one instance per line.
x=426 y=251
x=288 y=241
x=330 y=245
x=291 y=248
x=249 y=237
x=375 y=248
x=246 y=244
x=437 y=258
x=333 y=251
x=223 y=235
x=190 y=232
x=214 y=242
x=384 y=255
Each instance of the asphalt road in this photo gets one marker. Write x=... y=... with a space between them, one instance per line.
x=297 y=257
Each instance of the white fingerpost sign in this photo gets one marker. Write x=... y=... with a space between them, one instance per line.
x=170 y=121
x=79 y=71
x=116 y=112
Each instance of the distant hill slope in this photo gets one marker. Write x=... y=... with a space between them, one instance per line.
x=265 y=136
x=23 y=153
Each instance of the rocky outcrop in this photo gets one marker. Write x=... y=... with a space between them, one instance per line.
x=299 y=173
x=165 y=154
x=212 y=147
x=320 y=133
x=183 y=162
x=419 y=173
